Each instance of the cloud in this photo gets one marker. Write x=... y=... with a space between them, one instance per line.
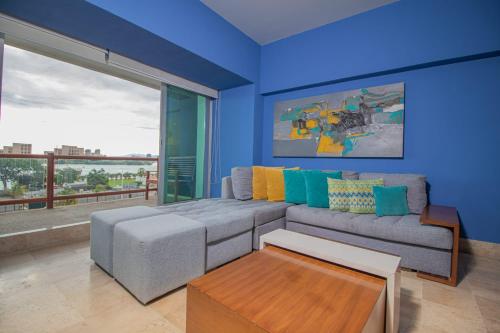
x=49 y=103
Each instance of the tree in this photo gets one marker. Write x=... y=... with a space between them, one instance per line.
x=67 y=175
x=12 y=168
x=100 y=188
x=97 y=177
x=17 y=190
x=141 y=172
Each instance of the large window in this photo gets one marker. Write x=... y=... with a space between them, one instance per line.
x=82 y=124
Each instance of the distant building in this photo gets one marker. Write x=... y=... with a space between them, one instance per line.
x=74 y=151
x=17 y=148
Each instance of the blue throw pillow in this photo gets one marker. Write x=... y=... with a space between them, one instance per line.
x=317 y=186
x=391 y=200
x=295 y=186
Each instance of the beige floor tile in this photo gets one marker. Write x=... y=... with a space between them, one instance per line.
x=94 y=301
x=127 y=318
x=460 y=298
x=411 y=285
x=18 y=261
x=492 y=325
x=173 y=308
x=489 y=309
x=160 y=326
x=62 y=290
x=440 y=317
x=42 y=309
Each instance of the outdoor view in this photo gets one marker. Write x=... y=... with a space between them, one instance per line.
x=52 y=107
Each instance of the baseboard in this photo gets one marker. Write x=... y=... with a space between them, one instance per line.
x=480 y=248
x=43 y=238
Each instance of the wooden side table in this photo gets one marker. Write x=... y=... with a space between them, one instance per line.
x=444 y=217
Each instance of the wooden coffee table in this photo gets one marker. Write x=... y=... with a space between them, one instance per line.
x=278 y=289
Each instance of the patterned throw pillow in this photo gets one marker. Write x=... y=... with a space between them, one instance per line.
x=361 y=198
x=338 y=194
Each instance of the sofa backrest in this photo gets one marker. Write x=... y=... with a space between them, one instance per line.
x=416 y=195
x=346 y=174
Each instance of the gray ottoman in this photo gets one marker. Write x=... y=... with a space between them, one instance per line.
x=156 y=254
x=101 y=231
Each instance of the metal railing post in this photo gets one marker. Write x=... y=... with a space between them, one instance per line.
x=146 y=194
x=50 y=180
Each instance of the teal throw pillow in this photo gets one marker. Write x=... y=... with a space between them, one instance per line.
x=317 y=186
x=391 y=200
x=295 y=186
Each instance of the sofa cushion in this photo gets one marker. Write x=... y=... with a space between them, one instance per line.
x=259 y=183
x=391 y=200
x=361 y=199
x=295 y=186
x=405 y=229
x=228 y=217
x=276 y=184
x=417 y=195
x=241 y=178
x=317 y=186
x=338 y=195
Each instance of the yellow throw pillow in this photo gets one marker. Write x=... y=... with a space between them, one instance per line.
x=276 y=184
x=259 y=184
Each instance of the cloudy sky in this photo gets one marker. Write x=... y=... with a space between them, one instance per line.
x=49 y=103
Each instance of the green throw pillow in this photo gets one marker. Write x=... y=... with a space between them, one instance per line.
x=338 y=194
x=360 y=192
x=295 y=187
x=317 y=186
x=391 y=200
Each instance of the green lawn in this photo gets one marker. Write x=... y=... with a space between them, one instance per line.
x=119 y=182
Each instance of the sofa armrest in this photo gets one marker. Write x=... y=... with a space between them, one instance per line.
x=227 y=188
x=446 y=217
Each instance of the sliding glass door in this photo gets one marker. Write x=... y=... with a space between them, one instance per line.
x=184 y=145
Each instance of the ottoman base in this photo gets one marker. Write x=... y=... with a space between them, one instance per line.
x=102 y=226
x=154 y=255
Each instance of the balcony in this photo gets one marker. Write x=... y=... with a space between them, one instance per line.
x=52 y=193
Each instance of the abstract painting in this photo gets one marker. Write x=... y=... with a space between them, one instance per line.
x=365 y=122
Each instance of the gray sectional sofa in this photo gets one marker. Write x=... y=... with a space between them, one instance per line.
x=421 y=247
x=231 y=228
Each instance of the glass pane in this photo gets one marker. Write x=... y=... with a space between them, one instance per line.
x=185 y=145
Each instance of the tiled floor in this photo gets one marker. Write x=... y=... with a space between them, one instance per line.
x=61 y=290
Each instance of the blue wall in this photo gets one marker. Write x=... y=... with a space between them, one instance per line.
x=448 y=55
x=195 y=27
x=237 y=125
x=405 y=33
x=192 y=25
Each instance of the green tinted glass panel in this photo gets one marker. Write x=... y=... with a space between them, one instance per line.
x=185 y=146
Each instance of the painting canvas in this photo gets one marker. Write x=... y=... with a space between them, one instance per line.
x=365 y=122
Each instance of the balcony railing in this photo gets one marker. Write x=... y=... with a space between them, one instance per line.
x=50 y=192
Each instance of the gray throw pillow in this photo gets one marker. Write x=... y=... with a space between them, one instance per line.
x=417 y=193
x=241 y=178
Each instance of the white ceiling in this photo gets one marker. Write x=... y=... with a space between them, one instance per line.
x=266 y=21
